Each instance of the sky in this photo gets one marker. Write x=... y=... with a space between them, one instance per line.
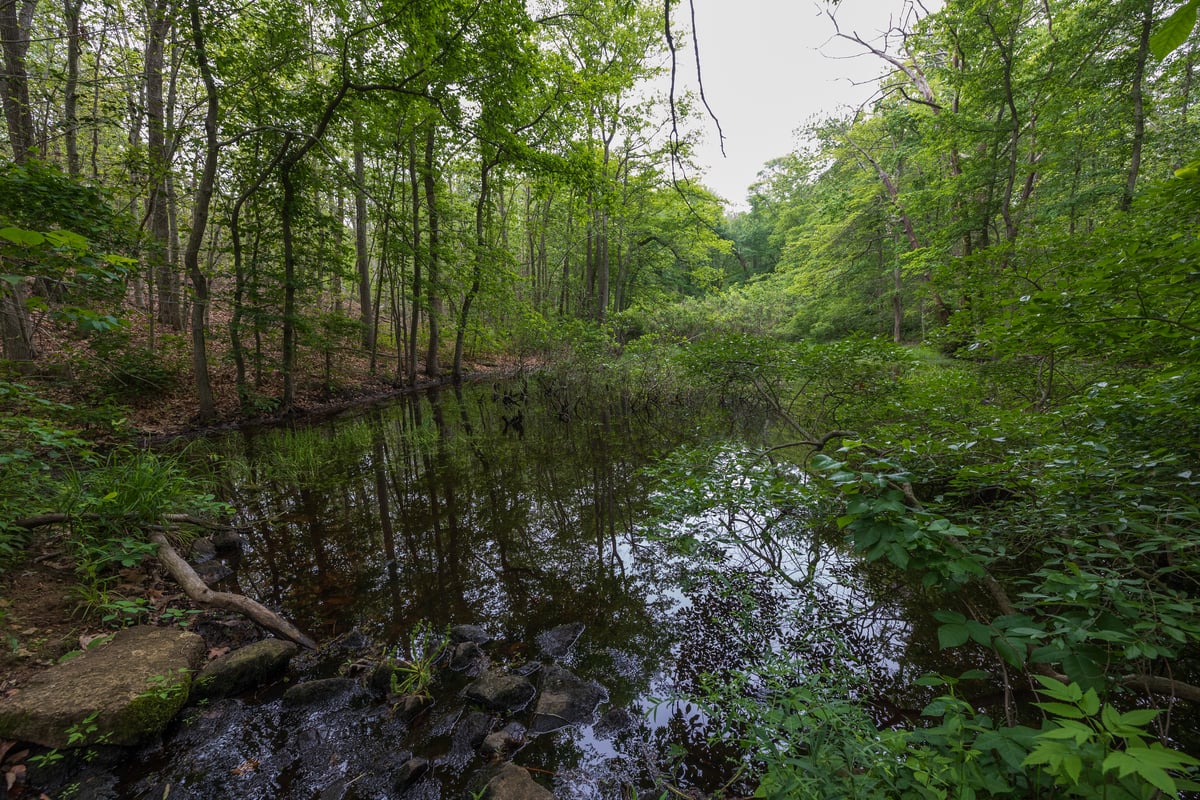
x=769 y=67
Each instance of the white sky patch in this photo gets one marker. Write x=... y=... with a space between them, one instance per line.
x=770 y=67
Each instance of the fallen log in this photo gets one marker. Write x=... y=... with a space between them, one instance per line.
x=198 y=591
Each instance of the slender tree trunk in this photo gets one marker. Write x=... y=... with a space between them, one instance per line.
x=158 y=22
x=71 y=9
x=477 y=266
x=362 y=257
x=416 y=249
x=1139 y=106
x=200 y=209
x=288 y=358
x=16 y=17
x=432 y=366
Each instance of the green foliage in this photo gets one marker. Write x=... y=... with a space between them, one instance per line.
x=414 y=662
x=136 y=374
x=35 y=442
x=111 y=506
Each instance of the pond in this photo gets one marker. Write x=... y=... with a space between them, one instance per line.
x=527 y=510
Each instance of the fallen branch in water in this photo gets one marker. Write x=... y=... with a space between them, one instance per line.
x=198 y=591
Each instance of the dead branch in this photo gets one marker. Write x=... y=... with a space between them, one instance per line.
x=198 y=591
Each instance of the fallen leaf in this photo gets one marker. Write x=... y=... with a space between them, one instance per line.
x=246 y=767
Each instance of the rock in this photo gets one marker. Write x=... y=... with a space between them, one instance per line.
x=130 y=688
x=467 y=657
x=614 y=722
x=243 y=669
x=557 y=642
x=469 y=633
x=213 y=572
x=466 y=739
x=502 y=744
x=410 y=705
x=380 y=678
x=501 y=691
x=317 y=691
x=472 y=729
x=511 y=782
x=410 y=772
x=565 y=700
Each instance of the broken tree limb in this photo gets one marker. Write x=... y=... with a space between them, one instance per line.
x=198 y=591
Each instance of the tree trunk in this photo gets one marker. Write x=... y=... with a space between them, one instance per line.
x=15 y=21
x=432 y=367
x=416 y=249
x=158 y=22
x=15 y=325
x=288 y=358
x=1139 y=106
x=200 y=208
x=476 y=269
x=362 y=257
x=71 y=10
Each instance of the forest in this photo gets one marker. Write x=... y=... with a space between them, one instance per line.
x=969 y=307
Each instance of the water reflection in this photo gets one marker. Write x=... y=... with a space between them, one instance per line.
x=489 y=505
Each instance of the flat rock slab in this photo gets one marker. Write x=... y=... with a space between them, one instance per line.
x=511 y=782
x=130 y=688
x=242 y=669
x=565 y=700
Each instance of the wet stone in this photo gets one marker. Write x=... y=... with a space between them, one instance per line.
x=500 y=691
x=318 y=691
x=502 y=744
x=468 y=735
x=467 y=657
x=469 y=633
x=410 y=706
x=557 y=642
x=243 y=669
x=565 y=700
x=410 y=772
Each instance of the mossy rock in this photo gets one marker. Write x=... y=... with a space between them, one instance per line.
x=120 y=693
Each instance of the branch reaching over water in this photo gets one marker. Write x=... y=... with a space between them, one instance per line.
x=198 y=591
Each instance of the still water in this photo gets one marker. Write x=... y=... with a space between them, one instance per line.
x=522 y=507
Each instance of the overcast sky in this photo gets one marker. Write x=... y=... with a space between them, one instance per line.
x=769 y=67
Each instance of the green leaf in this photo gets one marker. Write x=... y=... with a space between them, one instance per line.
x=22 y=237
x=1175 y=30
x=952 y=635
x=1061 y=710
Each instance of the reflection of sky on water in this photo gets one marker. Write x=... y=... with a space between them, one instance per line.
x=430 y=510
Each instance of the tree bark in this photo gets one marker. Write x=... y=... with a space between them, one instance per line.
x=158 y=27
x=15 y=326
x=432 y=367
x=1139 y=106
x=362 y=257
x=200 y=209
x=415 y=322
x=15 y=21
x=71 y=9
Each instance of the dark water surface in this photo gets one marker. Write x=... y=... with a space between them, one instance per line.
x=519 y=508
